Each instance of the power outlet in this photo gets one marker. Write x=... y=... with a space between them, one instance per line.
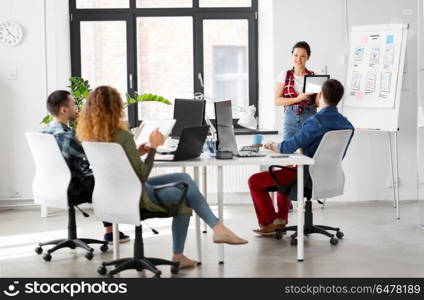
x=12 y=74
x=16 y=195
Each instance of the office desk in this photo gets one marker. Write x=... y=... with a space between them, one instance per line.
x=205 y=161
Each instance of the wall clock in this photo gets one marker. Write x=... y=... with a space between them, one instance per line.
x=10 y=33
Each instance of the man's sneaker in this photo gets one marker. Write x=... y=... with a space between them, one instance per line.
x=123 y=238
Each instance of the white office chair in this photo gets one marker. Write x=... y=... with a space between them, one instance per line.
x=116 y=199
x=327 y=178
x=50 y=188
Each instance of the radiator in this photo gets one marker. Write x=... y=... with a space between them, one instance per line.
x=235 y=177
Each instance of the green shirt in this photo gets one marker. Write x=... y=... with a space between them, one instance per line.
x=142 y=169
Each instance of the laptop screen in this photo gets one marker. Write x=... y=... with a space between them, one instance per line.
x=187 y=113
x=224 y=127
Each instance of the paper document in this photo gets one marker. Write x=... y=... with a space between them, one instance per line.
x=143 y=132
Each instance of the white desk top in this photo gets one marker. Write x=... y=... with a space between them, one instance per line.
x=205 y=160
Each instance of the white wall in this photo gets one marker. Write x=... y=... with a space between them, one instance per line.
x=322 y=25
x=23 y=99
x=266 y=64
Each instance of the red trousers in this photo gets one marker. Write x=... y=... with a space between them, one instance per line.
x=259 y=185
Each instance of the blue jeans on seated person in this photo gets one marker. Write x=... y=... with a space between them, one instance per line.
x=292 y=121
x=194 y=199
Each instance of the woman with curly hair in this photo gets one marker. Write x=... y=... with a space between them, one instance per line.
x=100 y=121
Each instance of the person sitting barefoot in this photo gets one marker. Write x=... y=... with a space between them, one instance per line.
x=100 y=121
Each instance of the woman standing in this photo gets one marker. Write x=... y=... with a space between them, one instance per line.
x=289 y=92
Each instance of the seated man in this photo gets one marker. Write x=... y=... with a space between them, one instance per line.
x=61 y=105
x=306 y=138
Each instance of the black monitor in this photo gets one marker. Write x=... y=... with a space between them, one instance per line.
x=226 y=140
x=187 y=113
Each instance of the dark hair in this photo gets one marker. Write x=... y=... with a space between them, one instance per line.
x=303 y=45
x=332 y=91
x=56 y=100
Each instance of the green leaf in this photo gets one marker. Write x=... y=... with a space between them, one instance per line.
x=152 y=97
x=46 y=120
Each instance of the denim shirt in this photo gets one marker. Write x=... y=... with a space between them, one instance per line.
x=310 y=134
x=71 y=149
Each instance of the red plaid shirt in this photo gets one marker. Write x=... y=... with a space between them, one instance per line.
x=289 y=91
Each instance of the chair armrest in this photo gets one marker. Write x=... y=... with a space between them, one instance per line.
x=172 y=208
x=283 y=189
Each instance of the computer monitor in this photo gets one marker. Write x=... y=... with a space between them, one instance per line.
x=188 y=113
x=226 y=139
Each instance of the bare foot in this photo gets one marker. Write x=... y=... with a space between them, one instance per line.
x=224 y=235
x=184 y=261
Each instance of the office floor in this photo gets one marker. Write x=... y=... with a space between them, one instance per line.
x=375 y=244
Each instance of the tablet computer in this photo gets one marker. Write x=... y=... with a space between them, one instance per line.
x=313 y=83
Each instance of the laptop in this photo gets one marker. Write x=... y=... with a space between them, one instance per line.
x=225 y=131
x=190 y=146
x=187 y=113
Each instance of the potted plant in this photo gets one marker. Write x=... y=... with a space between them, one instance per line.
x=80 y=89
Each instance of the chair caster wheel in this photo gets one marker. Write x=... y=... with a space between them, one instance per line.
x=104 y=248
x=174 y=270
x=47 y=257
x=89 y=255
x=278 y=234
x=334 y=241
x=139 y=268
x=157 y=275
x=38 y=250
x=102 y=270
x=339 y=235
x=293 y=242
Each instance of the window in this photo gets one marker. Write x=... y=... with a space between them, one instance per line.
x=104 y=57
x=172 y=48
x=103 y=3
x=165 y=63
x=164 y=3
x=225 y=53
x=225 y=3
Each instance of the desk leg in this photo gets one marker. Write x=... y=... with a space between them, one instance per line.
x=205 y=193
x=115 y=241
x=300 y=213
x=44 y=211
x=198 y=240
x=221 y=209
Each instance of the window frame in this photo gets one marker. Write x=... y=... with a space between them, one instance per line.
x=199 y=14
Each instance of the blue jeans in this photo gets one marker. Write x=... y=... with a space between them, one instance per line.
x=194 y=199
x=292 y=122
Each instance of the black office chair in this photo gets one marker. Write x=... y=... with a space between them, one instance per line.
x=72 y=241
x=325 y=179
x=50 y=189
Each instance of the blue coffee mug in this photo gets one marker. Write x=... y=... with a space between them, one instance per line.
x=257 y=139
